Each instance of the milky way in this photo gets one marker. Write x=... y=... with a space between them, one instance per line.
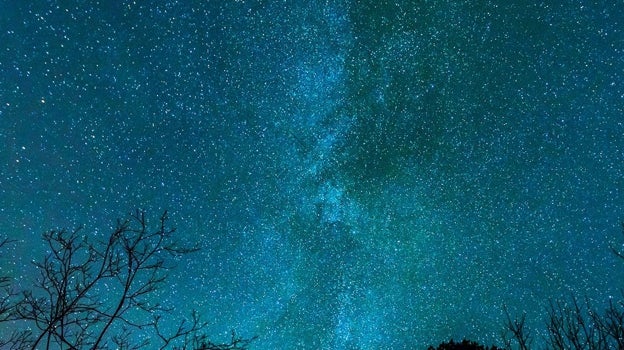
x=359 y=174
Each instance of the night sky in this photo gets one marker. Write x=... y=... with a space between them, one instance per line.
x=360 y=174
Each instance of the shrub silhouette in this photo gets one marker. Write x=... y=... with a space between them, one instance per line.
x=464 y=345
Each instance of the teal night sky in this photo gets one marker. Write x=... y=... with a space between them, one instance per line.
x=360 y=174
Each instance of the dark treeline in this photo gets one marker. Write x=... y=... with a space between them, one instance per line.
x=99 y=294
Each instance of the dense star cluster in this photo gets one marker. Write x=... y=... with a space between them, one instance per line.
x=359 y=174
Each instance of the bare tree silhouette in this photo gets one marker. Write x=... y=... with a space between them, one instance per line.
x=5 y=284
x=516 y=331
x=571 y=325
x=91 y=294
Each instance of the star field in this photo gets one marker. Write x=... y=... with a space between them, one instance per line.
x=359 y=175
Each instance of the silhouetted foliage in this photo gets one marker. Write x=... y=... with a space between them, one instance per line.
x=203 y=343
x=90 y=294
x=464 y=345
